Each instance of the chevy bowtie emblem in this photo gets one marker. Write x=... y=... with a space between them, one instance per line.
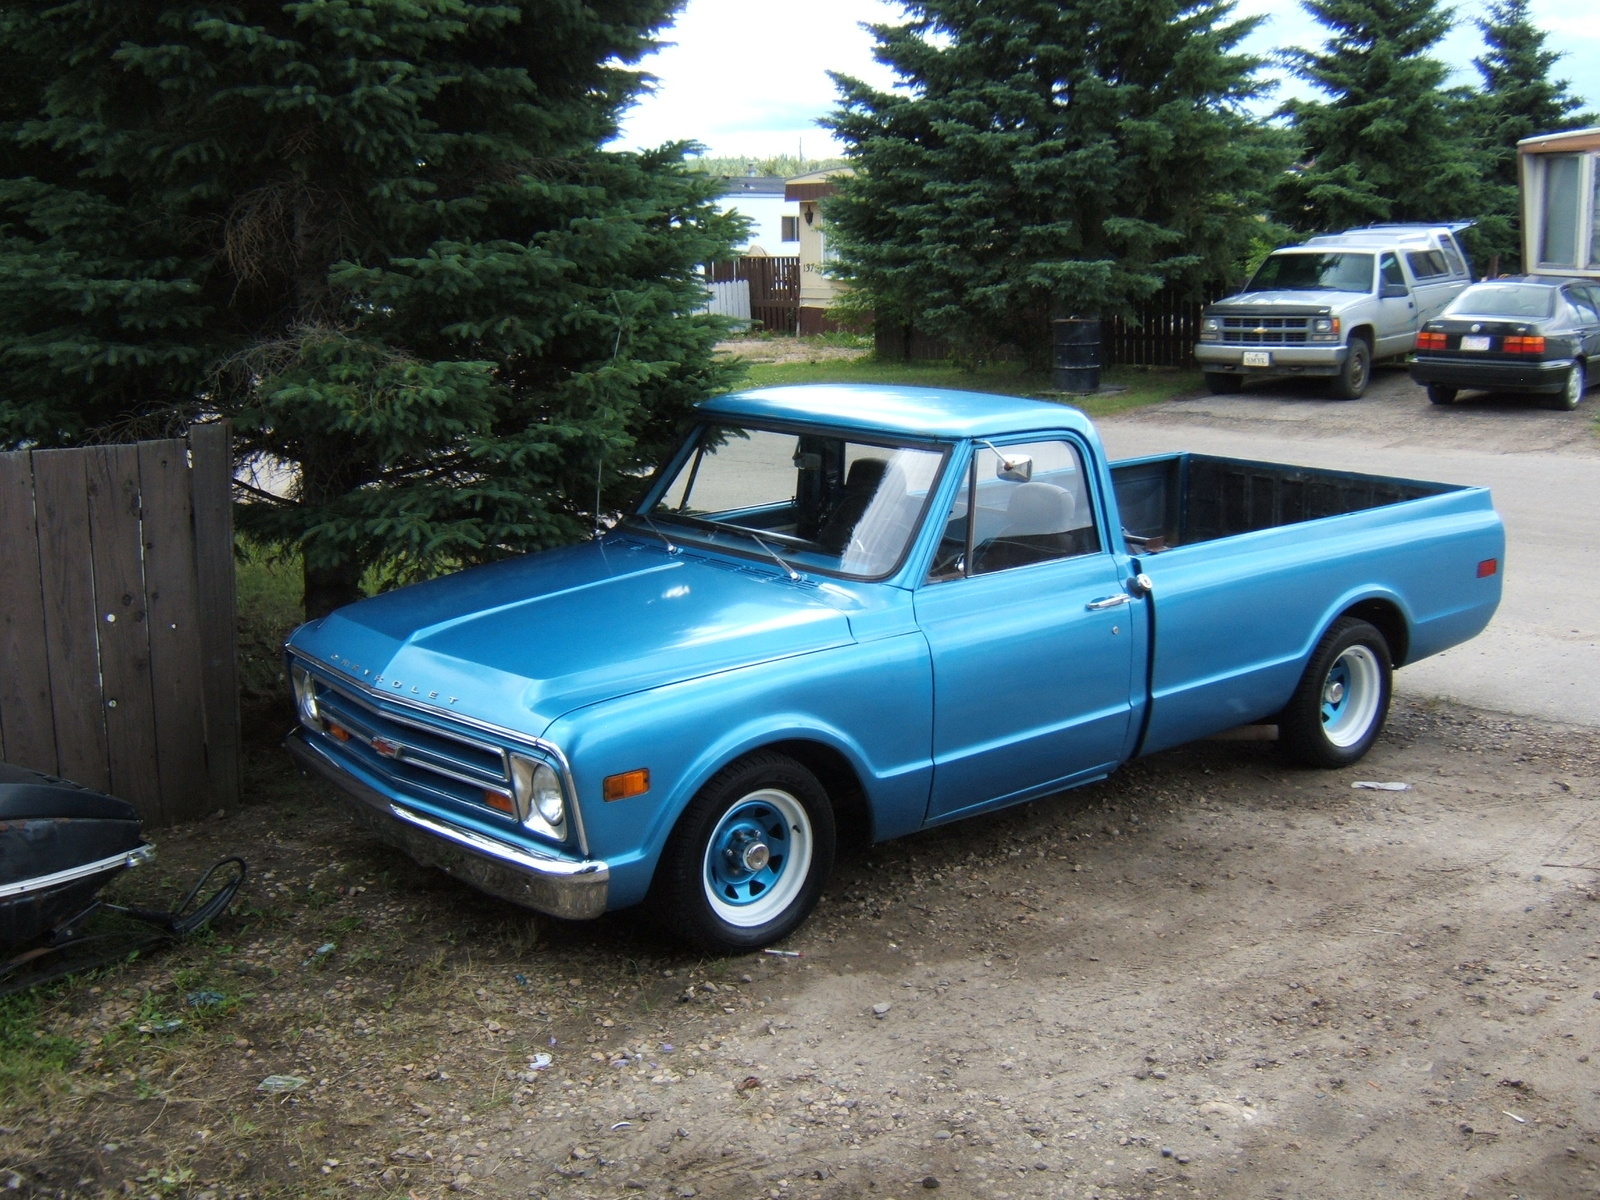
x=386 y=747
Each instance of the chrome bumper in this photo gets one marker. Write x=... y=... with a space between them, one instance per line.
x=547 y=883
x=1299 y=358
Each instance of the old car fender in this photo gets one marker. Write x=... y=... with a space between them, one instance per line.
x=869 y=704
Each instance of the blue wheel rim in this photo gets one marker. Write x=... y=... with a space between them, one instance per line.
x=757 y=857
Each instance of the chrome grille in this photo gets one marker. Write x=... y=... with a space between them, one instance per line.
x=1265 y=331
x=414 y=754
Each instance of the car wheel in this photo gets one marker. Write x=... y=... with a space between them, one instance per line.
x=1571 y=388
x=1342 y=700
x=1355 y=373
x=1439 y=394
x=745 y=864
x=1221 y=384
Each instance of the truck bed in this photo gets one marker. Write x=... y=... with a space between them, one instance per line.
x=1181 y=499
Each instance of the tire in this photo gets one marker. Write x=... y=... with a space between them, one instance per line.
x=1221 y=384
x=745 y=864
x=1355 y=373
x=1439 y=394
x=1571 y=393
x=1342 y=700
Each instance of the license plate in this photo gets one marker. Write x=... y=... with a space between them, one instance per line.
x=1474 y=343
x=1258 y=358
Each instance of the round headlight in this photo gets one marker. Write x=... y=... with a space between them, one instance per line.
x=1210 y=325
x=305 y=697
x=547 y=797
x=539 y=794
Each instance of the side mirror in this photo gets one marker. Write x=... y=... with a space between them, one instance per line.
x=1015 y=468
x=1393 y=291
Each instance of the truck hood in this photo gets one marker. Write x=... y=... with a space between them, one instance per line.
x=1299 y=302
x=518 y=643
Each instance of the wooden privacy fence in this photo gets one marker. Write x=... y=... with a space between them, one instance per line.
x=117 y=620
x=774 y=286
x=1162 y=333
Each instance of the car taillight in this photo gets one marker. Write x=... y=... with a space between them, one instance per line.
x=1430 y=341
x=1523 y=345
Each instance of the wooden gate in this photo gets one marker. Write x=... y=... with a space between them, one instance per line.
x=117 y=620
x=774 y=283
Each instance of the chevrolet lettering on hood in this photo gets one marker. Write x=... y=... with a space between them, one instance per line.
x=398 y=685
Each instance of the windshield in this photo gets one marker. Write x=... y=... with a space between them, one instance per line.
x=1503 y=300
x=811 y=500
x=1300 y=272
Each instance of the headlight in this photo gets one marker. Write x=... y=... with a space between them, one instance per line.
x=1322 y=325
x=305 y=697
x=1210 y=325
x=540 y=800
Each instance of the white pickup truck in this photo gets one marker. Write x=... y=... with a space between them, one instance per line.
x=1333 y=306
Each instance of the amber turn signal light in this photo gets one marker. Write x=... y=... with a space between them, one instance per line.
x=500 y=802
x=629 y=783
x=1488 y=567
x=338 y=733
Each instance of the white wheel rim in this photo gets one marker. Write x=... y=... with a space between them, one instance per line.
x=1574 y=387
x=1350 y=696
x=757 y=858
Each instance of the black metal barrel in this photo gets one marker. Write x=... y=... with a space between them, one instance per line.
x=1077 y=354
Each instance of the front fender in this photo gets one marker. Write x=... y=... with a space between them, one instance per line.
x=872 y=703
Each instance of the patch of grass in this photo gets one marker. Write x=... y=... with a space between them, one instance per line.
x=31 y=1058
x=1127 y=387
x=270 y=604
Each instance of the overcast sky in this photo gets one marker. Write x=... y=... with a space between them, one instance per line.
x=749 y=77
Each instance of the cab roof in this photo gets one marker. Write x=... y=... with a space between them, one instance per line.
x=939 y=414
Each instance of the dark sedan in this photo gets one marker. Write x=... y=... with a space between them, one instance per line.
x=1526 y=333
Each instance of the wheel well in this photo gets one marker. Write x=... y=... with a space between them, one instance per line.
x=1364 y=332
x=851 y=813
x=1389 y=621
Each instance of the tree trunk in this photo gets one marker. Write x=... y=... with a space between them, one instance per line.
x=328 y=588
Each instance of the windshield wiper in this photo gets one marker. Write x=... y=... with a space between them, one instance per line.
x=665 y=540
x=794 y=576
x=740 y=530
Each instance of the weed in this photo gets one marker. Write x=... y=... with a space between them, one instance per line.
x=30 y=1057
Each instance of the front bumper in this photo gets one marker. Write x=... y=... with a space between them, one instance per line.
x=545 y=882
x=1228 y=359
x=1545 y=376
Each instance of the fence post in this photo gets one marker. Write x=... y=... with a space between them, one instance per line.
x=211 y=451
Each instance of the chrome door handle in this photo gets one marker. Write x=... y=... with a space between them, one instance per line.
x=1116 y=601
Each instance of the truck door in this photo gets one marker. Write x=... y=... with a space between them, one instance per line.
x=1397 y=309
x=1033 y=638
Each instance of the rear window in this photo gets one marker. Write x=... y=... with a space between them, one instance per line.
x=1503 y=300
x=1301 y=272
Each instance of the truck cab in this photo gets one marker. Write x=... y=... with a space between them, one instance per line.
x=1332 y=306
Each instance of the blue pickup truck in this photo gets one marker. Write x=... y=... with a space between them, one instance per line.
x=857 y=611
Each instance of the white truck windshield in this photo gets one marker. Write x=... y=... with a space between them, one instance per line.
x=1306 y=272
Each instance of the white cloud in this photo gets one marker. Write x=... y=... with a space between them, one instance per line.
x=750 y=76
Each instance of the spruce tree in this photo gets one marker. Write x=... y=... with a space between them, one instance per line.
x=1519 y=99
x=1390 y=142
x=1046 y=159
x=382 y=237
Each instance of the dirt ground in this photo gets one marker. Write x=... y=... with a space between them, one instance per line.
x=1394 y=413
x=793 y=349
x=1212 y=975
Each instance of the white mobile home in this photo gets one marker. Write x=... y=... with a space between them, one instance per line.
x=1561 y=202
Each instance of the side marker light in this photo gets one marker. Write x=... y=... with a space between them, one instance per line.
x=629 y=783
x=1488 y=567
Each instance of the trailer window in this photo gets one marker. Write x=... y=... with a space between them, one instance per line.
x=1559 y=245
x=1594 y=218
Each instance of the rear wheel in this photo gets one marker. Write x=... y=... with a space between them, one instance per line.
x=1342 y=700
x=1571 y=388
x=1355 y=373
x=1222 y=384
x=747 y=860
x=1439 y=394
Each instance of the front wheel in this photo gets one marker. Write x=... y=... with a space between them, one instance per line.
x=1571 y=388
x=1355 y=372
x=1439 y=394
x=746 y=862
x=1342 y=701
